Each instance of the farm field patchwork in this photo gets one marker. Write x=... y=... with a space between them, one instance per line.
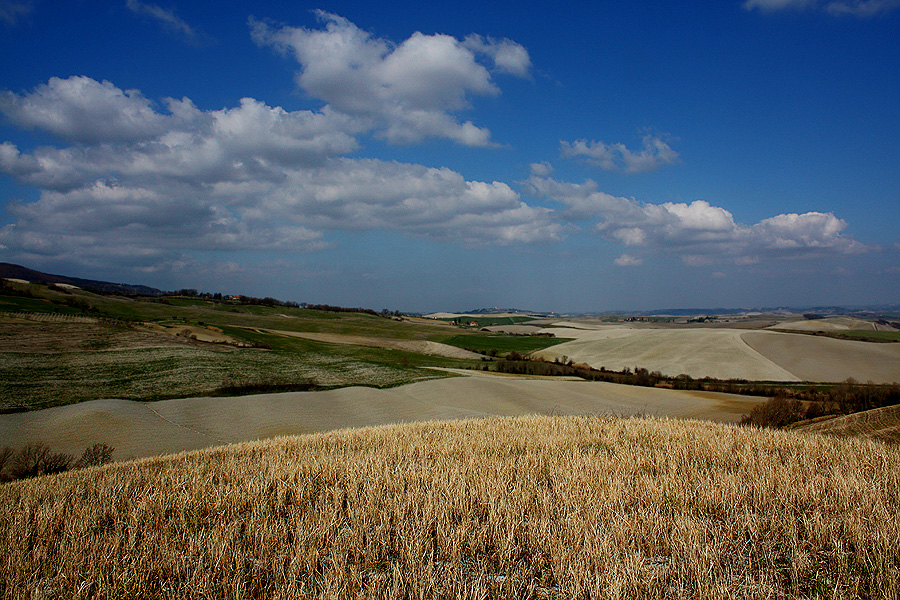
x=48 y=361
x=729 y=353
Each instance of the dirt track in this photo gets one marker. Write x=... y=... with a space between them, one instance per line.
x=146 y=429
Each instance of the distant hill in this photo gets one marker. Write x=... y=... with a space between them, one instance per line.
x=11 y=271
x=872 y=311
x=503 y=311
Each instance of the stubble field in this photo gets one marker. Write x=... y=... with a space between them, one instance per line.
x=551 y=507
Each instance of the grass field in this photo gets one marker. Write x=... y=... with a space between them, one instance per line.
x=503 y=344
x=552 y=507
x=865 y=334
x=47 y=360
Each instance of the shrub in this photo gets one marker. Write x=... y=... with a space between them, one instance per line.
x=777 y=412
x=98 y=454
x=36 y=459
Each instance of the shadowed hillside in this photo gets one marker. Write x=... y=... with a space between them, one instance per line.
x=879 y=424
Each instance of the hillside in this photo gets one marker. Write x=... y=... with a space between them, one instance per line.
x=61 y=346
x=552 y=507
x=143 y=429
x=11 y=271
x=878 y=424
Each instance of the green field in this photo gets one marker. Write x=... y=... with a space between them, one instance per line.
x=503 y=344
x=37 y=305
x=48 y=359
x=875 y=336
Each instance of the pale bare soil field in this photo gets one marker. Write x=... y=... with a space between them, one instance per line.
x=719 y=353
x=814 y=358
x=536 y=507
x=877 y=424
x=829 y=324
x=138 y=429
x=417 y=346
x=726 y=353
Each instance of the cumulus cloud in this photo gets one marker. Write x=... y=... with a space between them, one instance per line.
x=699 y=232
x=405 y=92
x=627 y=260
x=81 y=109
x=654 y=154
x=856 y=8
x=507 y=55
x=541 y=169
x=154 y=183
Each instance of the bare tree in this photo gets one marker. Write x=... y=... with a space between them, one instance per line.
x=5 y=454
x=36 y=459
x=98 y=454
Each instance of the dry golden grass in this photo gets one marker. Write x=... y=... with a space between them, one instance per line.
x=540 y=507
x=878 y=424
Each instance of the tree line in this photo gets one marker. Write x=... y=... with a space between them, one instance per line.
x=787 y=404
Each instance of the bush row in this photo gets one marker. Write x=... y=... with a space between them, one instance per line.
x=786 y=405
x=37 y=459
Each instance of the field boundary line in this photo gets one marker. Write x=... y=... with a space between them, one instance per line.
x=206 y=435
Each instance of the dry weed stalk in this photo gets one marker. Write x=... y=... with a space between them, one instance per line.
x=538 y=507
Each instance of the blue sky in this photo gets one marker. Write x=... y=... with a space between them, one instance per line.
x=626 y=155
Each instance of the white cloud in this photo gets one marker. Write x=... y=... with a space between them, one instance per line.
x=616 y=157
x=862 y=8
x=507 y=55
x=168 y=19
x=405 y=92
x=699 y=232
x=627 y=260
x=155 y=185
x=81 y=109
x=541 y=169
x=774 y=5
x=12 y=12
x=856 y=8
